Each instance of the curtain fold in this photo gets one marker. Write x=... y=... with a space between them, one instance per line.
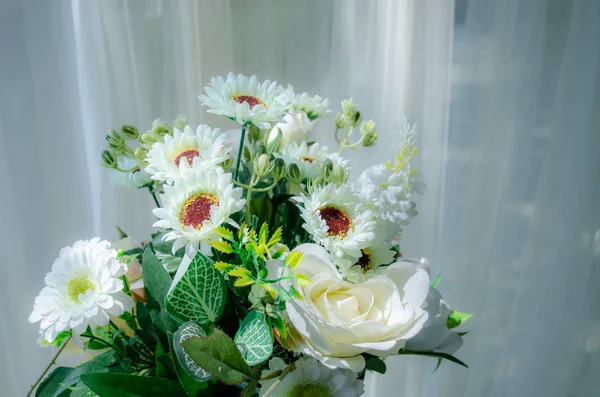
x=505 y=96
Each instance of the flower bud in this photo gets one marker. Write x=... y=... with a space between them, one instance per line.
x=140 y=153
x=115 y=139
x=349 y=108
x=340 y=120
x=367 y=130
x=370 y=139
x=180 y=122
x=339 y=176
x=109 y=159
x=274 y=140
x=261 y=165
x=130 y=131
x=162 y=129
x=294 y=173
x=278 y=169
x=149 y=138
x=325 y=168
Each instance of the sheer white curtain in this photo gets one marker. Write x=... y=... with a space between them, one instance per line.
x=506 y=97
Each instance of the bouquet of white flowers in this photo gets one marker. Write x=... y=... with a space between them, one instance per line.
x=271 y=274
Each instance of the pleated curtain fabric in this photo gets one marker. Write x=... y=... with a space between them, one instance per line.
x=506 y=98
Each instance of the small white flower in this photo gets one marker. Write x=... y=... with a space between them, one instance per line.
x=314 y=107
x=83 y=289
x=363 y=268
x=308 y=158
x=197 y=203
x=311 y=378
x=295 y=127
x=204 y=145
x=131 y=179
x=246 y=100
x=337 y=219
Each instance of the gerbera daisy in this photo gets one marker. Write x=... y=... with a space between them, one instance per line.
x=311 y=378
x=206 y=145
x=197 y=203
x=83 y=289
x=246 y=100
x=131 y=179
x=308 y=158
x=336 y=218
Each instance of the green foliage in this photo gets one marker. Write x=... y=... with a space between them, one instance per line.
x=254 y=338
x=192 y=387
x=185 y=332
x=119 y=385
x=375 y=364
x=198 y=293
x=444 y=356
x=457 y=318
x=219 y=355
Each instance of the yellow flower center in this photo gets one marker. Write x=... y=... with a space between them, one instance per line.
x=79 y=285
x=338 y=222
x=196 y=210
x=249 y=99
x=189 y=154
x=307 y=159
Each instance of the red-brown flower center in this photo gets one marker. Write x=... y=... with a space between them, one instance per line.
x=189 y=154
x=197 y=210
x=365 y=261
x=337 y=220
x=249 y=99
x=306 y=158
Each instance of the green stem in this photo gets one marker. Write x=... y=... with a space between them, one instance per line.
x=143 y=355
x=286 y=371
x=239 y=156
x=37 y=382
x=154 y=197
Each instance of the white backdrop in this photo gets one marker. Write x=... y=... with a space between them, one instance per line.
x=506 y=96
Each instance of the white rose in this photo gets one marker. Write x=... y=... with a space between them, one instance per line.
x=295 y=127
x=337 y=320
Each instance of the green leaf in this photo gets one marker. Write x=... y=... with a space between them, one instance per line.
x=119 y=385
x=457 y=318
x=437 y=366
x=254 y=338
x=156 y=283
x=185 y=332
x=434 y=354
x=53 y=384
x=437 y=280
x=198 y=292
x=191 y=386
x=250 y=388
x=147 y=333
x=218 y=355
x=376 y=364
x=164 y=363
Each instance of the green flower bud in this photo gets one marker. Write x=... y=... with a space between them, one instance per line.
x=149 y=138
x=367 y=130
x=274 y=140
x=130 y=131
x=349 y=108
x=339 y=176
x=180 y=122
x=109 y=159
x=162 y=129
x=278 y=169
x=294 y=173
x=261 y=165
x=356 y=119
x=115 y=139
x=325 y=168
x=340 y=120
x=140 y=153
x=370 y=139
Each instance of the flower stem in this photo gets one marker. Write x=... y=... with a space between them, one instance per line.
x=37 y=382
x=285 y=372
x=239 y=156
x=154 y=197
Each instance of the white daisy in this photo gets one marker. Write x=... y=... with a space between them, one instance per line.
x=336 y=218
x=246 y=100
x=314 y=107
x=131 y=179
x=197 y=203
x=311 y=378
x=308 y=158
x=83 y=289
x=361 y=269
x=205 y=145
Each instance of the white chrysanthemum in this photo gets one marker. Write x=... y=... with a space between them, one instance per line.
x=205 y=144
x=311 y=378
x=83 y=289
x=130 y=179
x=314 y=107
x=308 y=158
x=363 y=268
x=335 y=218
x=245 y=99
x=197 y=203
